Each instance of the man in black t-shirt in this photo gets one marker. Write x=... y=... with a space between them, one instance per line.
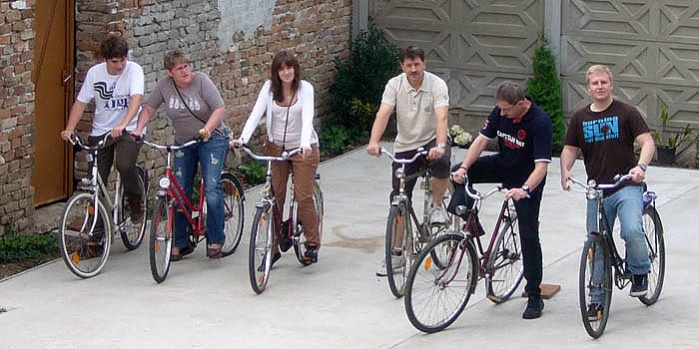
x=605 y=132
x=524 y=135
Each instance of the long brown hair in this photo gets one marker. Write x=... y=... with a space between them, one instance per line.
x=287 y=59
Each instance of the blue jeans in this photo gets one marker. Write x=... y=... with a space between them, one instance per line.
x=211 y=155
x=627 y=204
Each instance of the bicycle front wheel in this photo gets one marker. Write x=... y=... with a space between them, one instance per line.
x=132 y=233
x=441 y=282
x=85 y=235
x=260 y=253
x=161 y=235
x=653 y=228
x=234 y=212
x=595 y=285
x=505 y=263
x=399 y=248
x=300 y=239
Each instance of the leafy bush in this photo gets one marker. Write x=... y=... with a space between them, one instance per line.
x=15 y=247
x=545 y=88
x=251 y=172
x=359 y=84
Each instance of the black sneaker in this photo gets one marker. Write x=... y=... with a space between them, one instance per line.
x=594 y=312
x=534 y=308
x=639 y=285
x=311 y=254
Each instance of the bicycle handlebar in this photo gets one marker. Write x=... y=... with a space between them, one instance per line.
x=593 y=185
x=286 y=155
x=419 y=152
x=170 y=147
x=475 y=194
x=75 y=139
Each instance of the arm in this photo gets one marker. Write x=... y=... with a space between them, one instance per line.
x=473 y=153
x=647 y=151
x=257 y=111
x=306 y=95
x=134 y=105
x=442 y=114
x=213 y=122
x=568 y=155
x=76 y=113
x=534 y=179
x=146 y=112
x=377 y=130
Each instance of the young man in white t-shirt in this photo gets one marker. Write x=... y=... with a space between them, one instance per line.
x=116 y=85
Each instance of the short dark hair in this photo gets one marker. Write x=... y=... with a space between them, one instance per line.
x=509 y=92
x=114 y=47
x=411 y=52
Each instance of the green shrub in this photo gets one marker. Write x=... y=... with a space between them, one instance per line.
x=334 y=139
x=15 y=247
x=359 y=84
x=251 y=172
x=545 y=88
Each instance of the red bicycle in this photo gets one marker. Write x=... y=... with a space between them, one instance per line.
x=163 y=217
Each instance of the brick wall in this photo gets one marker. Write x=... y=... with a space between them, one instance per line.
x=16 y=114
x=316 y=30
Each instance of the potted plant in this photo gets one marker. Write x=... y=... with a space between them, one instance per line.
x=667 y=142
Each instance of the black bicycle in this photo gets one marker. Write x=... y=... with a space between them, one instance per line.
x=600 y=257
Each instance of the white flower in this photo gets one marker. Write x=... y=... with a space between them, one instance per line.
x=456 y=130
x=463 y=139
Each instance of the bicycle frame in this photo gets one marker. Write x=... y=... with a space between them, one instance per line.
x=171 y=188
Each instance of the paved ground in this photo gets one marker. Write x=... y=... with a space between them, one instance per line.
x=339 y=302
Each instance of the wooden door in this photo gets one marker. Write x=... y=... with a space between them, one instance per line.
x=52 y=76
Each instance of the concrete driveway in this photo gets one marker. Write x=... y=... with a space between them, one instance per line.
x=339 y=302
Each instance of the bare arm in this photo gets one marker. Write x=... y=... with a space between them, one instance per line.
x=213 y=122
x=473 y=153
x=568 y=155
x=146 y=113
x=134 y=105
x=377 y=130
x=647 y=151
x=76 y=113
x=442 y=114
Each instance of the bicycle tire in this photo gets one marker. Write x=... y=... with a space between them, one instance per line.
x=161 y=239
x=132 y=234
x=84 y=245
x=587 y=282
x=300 y=240
x=505 y=264
x=437 y=293
x=234 y=212
x=653 y=228
x=260 y=253
x=398 y=221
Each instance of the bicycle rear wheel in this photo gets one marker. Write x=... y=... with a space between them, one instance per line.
x=161 y=236
x=260 y=254
x=595 y=284
x=505 y=263
x=399 y=248
x=234 y=212
x=132 y=233
x=85 y=235
x=300 y=239
x=653 y=228
x=441 y=282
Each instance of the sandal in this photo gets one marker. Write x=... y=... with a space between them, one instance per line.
x=213 y=251
x=183 y=251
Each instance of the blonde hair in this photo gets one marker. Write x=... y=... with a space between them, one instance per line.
x=599 y=68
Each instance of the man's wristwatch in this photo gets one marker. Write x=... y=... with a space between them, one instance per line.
x=642 y=166
x=441 y=145
x=526 y=188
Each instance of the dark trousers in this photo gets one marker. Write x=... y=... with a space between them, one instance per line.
x=488 y=170
x=126 y=150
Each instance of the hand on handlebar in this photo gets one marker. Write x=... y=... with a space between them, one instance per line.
x=373 y=149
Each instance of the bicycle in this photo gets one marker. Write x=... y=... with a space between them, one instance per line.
x=262 y=236
x=171 y=192
x=600 y=257
x=402 y=242
x=85 y=231
x=447 y=270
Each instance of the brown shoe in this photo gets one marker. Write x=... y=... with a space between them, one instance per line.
x=183 y=251
x=213 y=251
x=136 y=206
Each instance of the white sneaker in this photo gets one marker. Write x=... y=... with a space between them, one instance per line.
x=438 y=216
x=397 y=262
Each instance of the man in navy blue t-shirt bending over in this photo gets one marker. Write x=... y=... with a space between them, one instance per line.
x=524 y=135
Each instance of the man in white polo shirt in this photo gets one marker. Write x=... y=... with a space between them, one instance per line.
x=421 y=102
